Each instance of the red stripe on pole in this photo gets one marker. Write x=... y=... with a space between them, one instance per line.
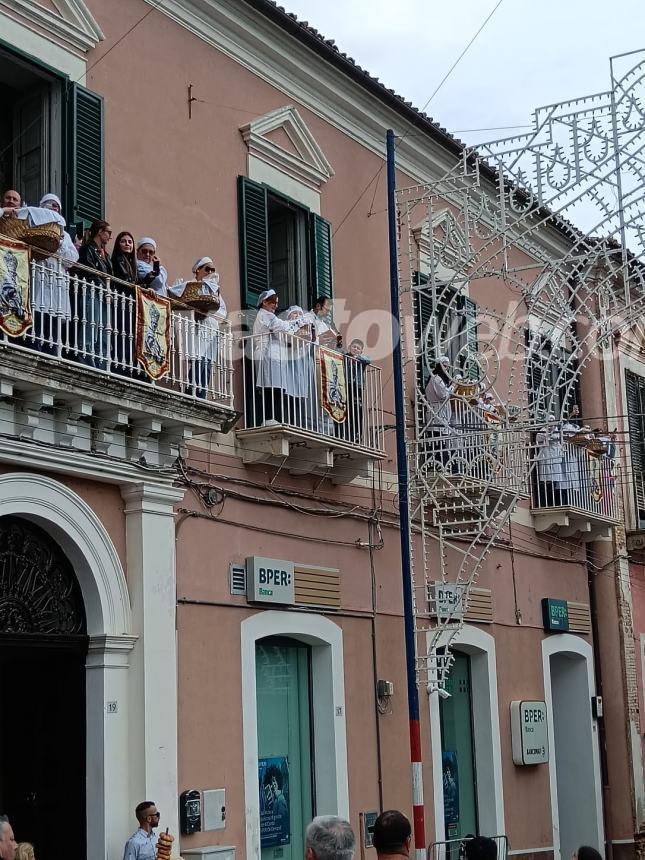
x=415 y=740
x=419 y=828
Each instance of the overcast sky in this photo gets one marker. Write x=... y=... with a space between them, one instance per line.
x=531 y=52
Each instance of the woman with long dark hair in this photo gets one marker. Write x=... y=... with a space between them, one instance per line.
x=124 y=267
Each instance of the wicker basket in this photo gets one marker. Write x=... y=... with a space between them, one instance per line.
x=195 y=298
x=46 y=237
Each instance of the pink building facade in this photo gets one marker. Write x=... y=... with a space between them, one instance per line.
x=141 y=655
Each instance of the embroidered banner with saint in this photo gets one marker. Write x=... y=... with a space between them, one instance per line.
x=153 y=334
x=15 y=307
x=596 y=478
x=333 y=385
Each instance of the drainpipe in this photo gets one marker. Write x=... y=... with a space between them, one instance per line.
x=404 y=516
x=602 y=737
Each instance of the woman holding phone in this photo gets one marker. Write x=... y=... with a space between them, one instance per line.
x=150 y=273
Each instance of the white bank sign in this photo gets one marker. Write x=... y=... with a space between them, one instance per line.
x=270 y=580
x=529 y=734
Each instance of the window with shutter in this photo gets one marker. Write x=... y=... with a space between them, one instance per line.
x=283 y=246
x=321 y=268
x=254 y=240
x=551 y=378
x=635 y=394
x=85 y=155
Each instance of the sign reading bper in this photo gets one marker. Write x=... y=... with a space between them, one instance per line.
x=529 y=733
x=270 y=580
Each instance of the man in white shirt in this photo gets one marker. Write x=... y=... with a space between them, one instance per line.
x=11 y=201
x=142 y=845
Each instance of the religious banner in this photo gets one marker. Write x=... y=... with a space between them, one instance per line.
x=153 y=333
x=15 y=307
x=333 y=385
x=275 y=823
x=596 y=478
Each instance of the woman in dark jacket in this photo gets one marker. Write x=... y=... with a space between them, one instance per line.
x=124 y=267
x=124 y=261
x=88 y=293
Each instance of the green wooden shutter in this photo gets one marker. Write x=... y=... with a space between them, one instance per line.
x=85 y=185
x=254 y=240
x=534 y=370
x=635 y=394
x=471 y=367
x=321 y=264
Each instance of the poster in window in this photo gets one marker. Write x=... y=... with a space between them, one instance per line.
x=273 y=778
x=450 y=787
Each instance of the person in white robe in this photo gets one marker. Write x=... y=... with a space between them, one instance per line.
x=50 y=299
x=199 y=336
x=300 y=370
x=549 y=454
x=271 y=335
x=150 y=273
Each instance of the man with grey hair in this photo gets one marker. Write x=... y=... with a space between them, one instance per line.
x=329 y=838
x=8 y=844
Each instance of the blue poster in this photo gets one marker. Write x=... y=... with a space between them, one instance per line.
x=450 y=787
x=273 y=778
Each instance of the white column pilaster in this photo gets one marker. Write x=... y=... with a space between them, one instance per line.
x=109 y=815
x=150 y=539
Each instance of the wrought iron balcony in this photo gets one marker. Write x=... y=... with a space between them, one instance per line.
x=75 y=376
x=575 y=490
x=310 y=409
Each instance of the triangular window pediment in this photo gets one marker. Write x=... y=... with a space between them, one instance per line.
x=69 y=20
x=282 y=139
x=448 y=243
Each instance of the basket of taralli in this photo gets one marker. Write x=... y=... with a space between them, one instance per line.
x=45 y=237
x=199 y=297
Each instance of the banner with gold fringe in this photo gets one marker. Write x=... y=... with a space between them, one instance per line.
x=333 y=385
x=15 y=306
x=153 y=333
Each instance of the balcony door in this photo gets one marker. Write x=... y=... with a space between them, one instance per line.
x=31 y=144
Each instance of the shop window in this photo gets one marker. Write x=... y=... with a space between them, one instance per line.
x=285 y=762
x=283 y=246
x=54 y=139
x=458 y=755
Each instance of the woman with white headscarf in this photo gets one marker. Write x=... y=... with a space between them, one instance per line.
x=150 y=273
x=200 y=339
x=271 y=334
x=50 y=299
x=300 y=362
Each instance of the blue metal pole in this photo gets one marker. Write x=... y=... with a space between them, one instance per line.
x=404 y=515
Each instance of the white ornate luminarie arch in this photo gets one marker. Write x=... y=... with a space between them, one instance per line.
x=555 y=292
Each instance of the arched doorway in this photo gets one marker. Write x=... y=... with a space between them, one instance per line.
x=43 y=648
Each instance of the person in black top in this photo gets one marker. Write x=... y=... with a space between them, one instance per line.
x=124 y=267
x=124 y=261
x=90 y=297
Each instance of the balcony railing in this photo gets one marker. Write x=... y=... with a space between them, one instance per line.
x=577 y=477
x=294 y=384
x=466 y=445
x=91 y=319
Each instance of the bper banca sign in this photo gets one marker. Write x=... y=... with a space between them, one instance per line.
x=529 y=733
x=270 y=580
